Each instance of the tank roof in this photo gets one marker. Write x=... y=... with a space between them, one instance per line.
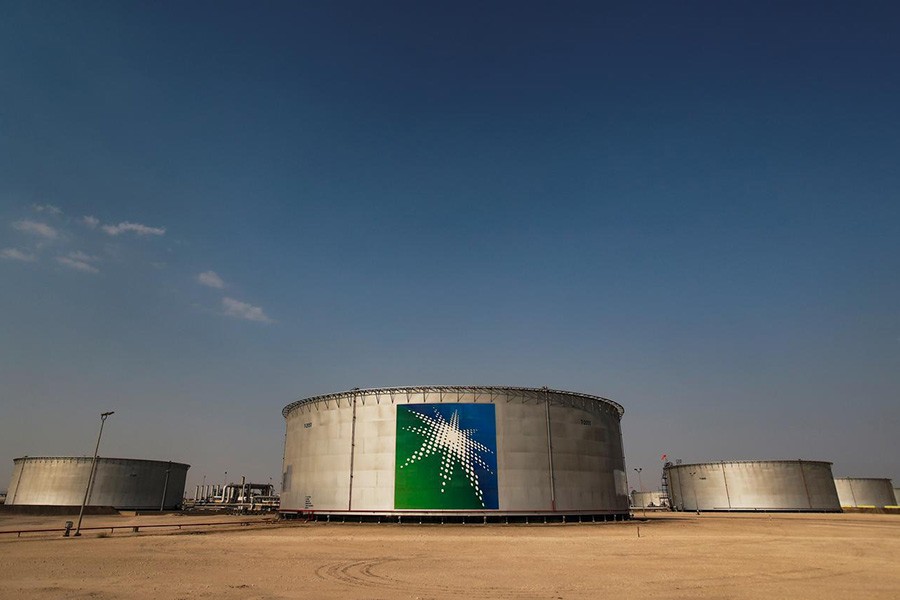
x=731 y=462
x=526 y=391
x=103 y=458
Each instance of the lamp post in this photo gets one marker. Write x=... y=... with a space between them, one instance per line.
x=694 y=487
x=87 y=489
x=641 y=486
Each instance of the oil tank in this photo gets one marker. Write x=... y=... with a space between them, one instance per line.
x=864 y=491
x=454 y=451
x=648 y=499
x=123 y=483
x=753 y=485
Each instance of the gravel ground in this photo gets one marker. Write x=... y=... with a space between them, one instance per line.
x=676 y=556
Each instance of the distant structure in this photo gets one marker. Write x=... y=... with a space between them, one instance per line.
x=859 y=492
x=649 y=499
x=253 y=496
x=123 y=483
x=454 y=453
x=753 y=485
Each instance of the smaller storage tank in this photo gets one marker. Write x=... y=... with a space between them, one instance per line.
x=123 y=483
x=896 y=496
x=648 y=499
x=856 y=492
x=753 y=485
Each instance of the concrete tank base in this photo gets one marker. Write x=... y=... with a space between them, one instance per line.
x=467 y=518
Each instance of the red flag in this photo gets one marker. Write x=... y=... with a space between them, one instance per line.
x=663 y=457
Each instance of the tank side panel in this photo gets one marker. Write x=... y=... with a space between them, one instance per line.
x=317 y=454
x=676 y=496
x=767 y=486
x=137 y=485
x=761 y=485
x=523 y=463
x=586 y=456
x=12 y=488
x=373 y=462
x=53 y=481
x=712 y=493
x=175 y=490
x=820 y=486
x=845 y=494
x=127 y=485
x=857 y=491
x=121 y=483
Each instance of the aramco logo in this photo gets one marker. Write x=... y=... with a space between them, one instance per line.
x=446 y=456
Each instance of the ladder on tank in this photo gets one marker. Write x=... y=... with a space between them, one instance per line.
x=664 y=486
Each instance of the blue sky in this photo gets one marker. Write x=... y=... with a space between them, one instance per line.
x=690 y=209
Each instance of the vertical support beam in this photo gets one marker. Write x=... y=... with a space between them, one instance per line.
x=352 y=450
x=162 y=501
x=805 y=486
x=550 y=451
x=725 y=479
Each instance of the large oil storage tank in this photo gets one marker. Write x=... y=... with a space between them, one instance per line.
x=751 y=485
x=864 y=491
x=123 y=483
x=454 y=451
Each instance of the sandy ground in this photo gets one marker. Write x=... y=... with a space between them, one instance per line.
x=676 y=556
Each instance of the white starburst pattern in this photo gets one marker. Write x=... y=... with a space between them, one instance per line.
x=455 y=446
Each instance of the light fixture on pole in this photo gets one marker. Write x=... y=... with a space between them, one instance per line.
x=641 y=485
x=90 y=481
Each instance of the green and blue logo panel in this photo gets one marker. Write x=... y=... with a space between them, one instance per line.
x=446 y=457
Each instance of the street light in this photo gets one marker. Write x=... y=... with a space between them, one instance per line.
x=641 y=485
x=87 y=489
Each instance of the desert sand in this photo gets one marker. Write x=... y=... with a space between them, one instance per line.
x=676 y=556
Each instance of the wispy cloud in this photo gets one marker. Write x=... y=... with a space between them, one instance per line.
x=136 y=228
x=16 y=254
x=211 y=279
x=90 y=221
x=47 y=208
x=242 y=310
x=36 y=228
x=79 y=261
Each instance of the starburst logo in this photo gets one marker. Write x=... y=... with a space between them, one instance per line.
x=446 y=456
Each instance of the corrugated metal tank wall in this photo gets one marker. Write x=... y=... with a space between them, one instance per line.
x=864 y=491
x=130 y=484
x=776 y=485
x=328 y=434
